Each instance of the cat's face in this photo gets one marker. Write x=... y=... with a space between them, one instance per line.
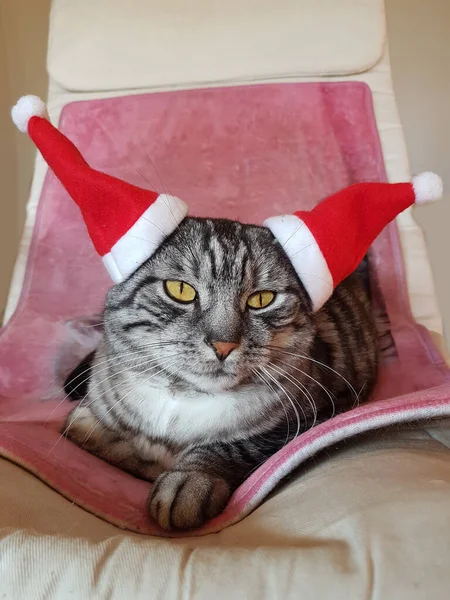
x=211 y=307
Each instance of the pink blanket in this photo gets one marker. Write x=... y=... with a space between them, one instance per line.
x=281 y=148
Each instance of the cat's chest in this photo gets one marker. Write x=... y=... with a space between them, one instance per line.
x=184 y=418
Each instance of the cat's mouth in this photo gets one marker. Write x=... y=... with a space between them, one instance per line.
x=215 y=368
x=210 y=377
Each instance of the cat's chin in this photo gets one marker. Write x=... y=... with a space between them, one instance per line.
x=213 y=383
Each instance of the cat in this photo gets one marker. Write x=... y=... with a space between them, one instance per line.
x=212 y=360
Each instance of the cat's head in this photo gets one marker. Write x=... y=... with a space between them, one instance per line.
x=211 y=307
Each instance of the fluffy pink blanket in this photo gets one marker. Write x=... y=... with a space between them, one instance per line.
x=245 y=153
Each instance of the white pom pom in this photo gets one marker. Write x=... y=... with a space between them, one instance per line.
x=25 y=108
x=427 y=187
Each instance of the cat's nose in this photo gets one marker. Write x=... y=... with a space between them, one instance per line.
x=223 y=349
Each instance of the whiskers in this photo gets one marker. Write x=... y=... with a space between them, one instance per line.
x=317 y=382
x=348 y=384
x=111 y=363
x=164 y=364
x=294 y=384
x=300 y=386
x=287 y=395
x=271 y=382
x=120 y=357
x=269 y=386
x=270 y=375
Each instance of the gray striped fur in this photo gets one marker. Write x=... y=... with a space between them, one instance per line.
x=163 y=407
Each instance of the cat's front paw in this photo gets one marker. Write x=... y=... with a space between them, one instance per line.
x=187 y=499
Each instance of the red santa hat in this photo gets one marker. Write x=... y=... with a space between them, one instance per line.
x=126 y=223
x=326 y=244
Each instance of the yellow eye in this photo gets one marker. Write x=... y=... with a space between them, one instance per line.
x=261 y=299
x=180 y=291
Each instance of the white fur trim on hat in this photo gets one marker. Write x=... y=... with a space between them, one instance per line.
x=144 y=237
x=305 y=255
x=25 y=108
x=427 y=187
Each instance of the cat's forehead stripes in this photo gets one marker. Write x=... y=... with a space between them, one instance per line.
x=224 y=252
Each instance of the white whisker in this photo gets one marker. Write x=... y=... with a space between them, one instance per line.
x=109 y=362
x=300 y=224
x=122 y=398
x=317 y=382
x=356 y=402
x=81 y=405
x=301 y=387
x=267 y=384
x=105 y=130
x=285 y=392
x=318 y=362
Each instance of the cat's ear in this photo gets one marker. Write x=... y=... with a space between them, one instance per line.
x=126 y=223
x=325 y=245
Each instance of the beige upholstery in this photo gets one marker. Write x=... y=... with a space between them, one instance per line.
x=155 y=43
x=372 y=520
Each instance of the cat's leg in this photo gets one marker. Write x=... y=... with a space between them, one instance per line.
x=84 y=429
x=200 y=484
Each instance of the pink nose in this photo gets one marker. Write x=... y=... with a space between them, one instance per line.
x=223 y=349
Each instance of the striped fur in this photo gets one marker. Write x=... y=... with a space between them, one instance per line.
x=161 y=405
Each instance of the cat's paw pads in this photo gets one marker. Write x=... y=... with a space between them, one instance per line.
x=187 y=499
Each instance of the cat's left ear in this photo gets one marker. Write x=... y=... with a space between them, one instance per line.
x=326 y=244
x=126 y=223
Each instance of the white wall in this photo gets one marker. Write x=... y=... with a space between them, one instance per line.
x=419 y=34
x=9 y=221
x=23 y=44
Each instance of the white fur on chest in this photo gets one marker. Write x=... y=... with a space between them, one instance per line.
x=192 y=417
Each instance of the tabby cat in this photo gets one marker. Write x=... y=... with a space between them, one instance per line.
x=211 y=361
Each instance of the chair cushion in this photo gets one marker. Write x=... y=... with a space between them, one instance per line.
x=110 y=44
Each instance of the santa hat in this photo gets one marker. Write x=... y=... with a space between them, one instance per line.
x=126 y=223
x=326 y=244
